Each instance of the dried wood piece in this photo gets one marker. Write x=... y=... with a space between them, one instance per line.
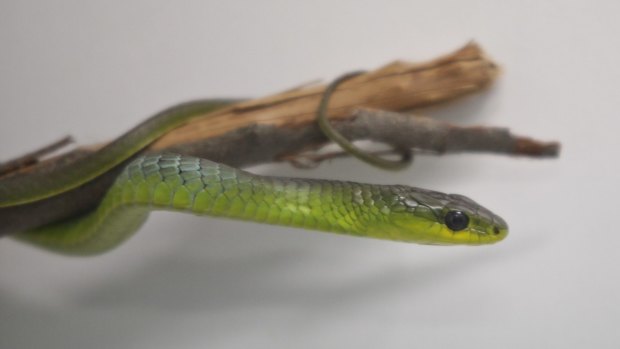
x=395 y=87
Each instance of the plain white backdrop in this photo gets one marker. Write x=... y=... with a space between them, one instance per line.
x=94 y=69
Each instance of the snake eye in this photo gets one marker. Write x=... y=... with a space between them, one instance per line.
x=456 y=220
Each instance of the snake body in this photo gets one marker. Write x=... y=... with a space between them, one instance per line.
x=199 y=186
x=202 y=187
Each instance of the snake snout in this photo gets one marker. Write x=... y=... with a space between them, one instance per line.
x=498 y=229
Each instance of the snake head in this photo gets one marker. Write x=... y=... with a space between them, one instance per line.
x=429 y=217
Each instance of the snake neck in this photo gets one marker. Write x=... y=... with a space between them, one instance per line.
x=221 y=191
x=203 y=187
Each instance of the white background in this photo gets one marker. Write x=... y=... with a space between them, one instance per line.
x=94 y=69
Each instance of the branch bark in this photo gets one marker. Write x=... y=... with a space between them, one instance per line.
x=282 y=126
x=395 y=87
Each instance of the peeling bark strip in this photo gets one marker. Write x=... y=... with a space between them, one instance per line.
x=395 y=87
x=281 y=126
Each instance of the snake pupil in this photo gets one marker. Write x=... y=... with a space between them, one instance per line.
x=456 y=220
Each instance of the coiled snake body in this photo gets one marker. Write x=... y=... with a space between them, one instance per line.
x=199 y=186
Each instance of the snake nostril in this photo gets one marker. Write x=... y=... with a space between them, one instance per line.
x=495 y=230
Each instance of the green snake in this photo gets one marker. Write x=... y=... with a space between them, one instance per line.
x=202 y=187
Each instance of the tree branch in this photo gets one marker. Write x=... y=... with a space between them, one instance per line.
x=396 y=87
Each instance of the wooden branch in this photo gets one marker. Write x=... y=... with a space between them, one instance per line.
x=280 y=127
x=33 y=157
x=397 y=86
x=441 y=137
x=261 y=143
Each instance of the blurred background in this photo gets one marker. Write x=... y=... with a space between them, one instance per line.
x=94 y=69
